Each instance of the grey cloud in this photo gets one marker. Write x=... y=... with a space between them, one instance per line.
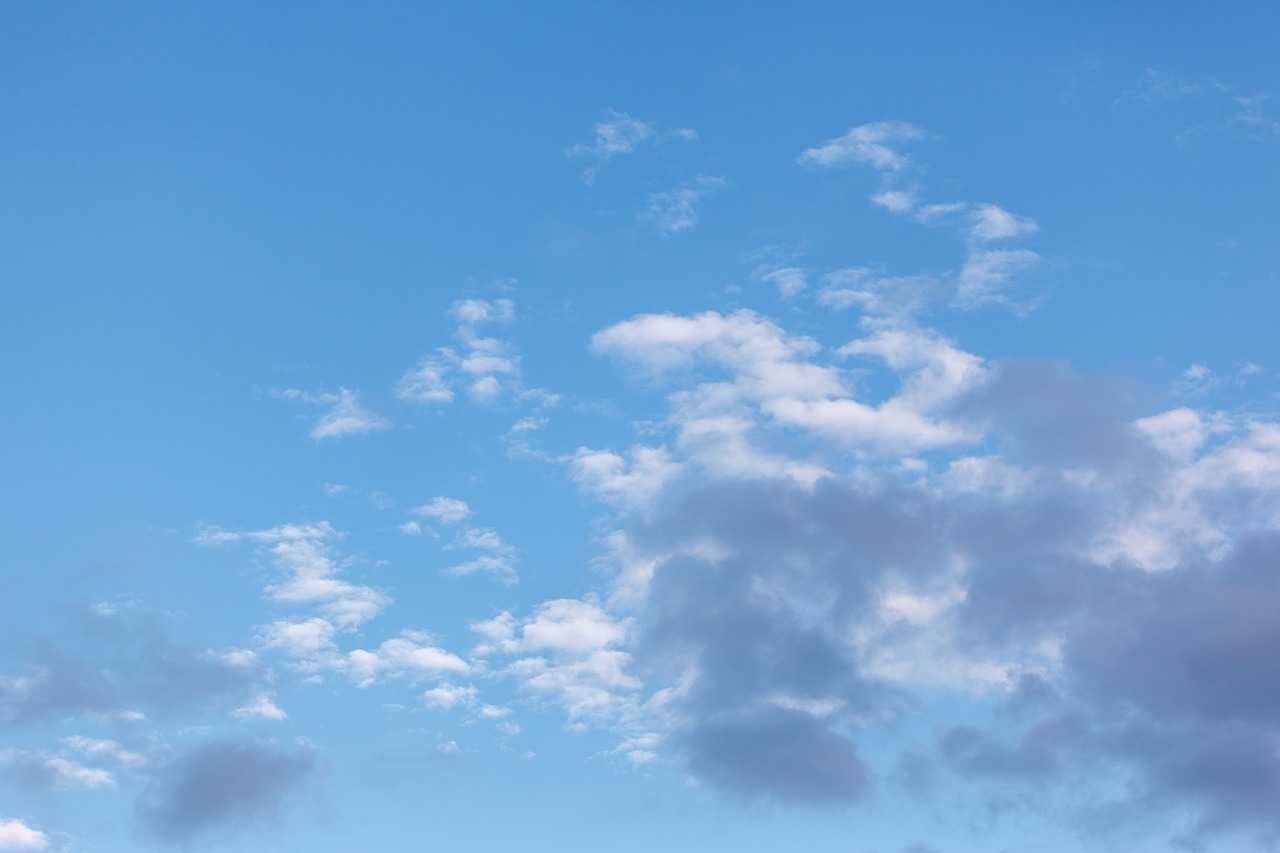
x=780 y=754
x=1048 y=414
x=223 y=783
x=1037 y=756
x=122 y=661
x=777 y=687
x=1196 y=644
x=1167 y=680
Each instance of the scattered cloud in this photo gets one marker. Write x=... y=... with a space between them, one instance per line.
x=986 y=275
x=620 y=134
x=1235 y=110
x=345 y=416
x=675 y=210
x=486 y=369
x=875 y=144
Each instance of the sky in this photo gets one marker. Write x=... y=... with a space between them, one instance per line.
x=609 y=426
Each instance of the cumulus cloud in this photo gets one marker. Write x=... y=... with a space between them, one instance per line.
x=1102 y=568
x=444 y=510
x=222 y=784
x=485 y=368
x=566 y=652
x=777 y=381
x=413 y=655
x=17 y=835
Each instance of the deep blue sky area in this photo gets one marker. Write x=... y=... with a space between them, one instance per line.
x=607 y=426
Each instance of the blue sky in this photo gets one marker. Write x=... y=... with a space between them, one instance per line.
x=632 y=426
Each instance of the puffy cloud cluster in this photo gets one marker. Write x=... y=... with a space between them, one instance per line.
x=1109 y=574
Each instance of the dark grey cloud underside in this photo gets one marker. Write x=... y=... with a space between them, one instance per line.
x=1171 y=677
x=221 y=783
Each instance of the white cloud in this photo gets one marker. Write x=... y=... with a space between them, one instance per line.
x=874 y=143
x=109 y=748
x=674 y=210
x=630 y=481
x=566 y=652
x=70 y=774
x=774 y=381
x=261 y=707
x=311 y=573
x=895 y=201
x=987 y=272
x=500 y=567
x=483 y=538
x=1179 y=432
x=790 y=281
x=448 y=696
x=429 y=381
x=16 y=835
x=412 y=655
x=569 y=625
x=617 y=135
x=345 y=416
x=995 y=223
x=308 y=639
x=444 y=510
x=486 y=368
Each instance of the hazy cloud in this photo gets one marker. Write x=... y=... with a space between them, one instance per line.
x=222 y=783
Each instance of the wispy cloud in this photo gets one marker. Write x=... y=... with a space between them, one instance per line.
x=620 y=134
x=675 y=210
x=345 y=416
x=877 y=144
x=1236 y=110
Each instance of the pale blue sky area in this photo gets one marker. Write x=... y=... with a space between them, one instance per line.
x=601 y=426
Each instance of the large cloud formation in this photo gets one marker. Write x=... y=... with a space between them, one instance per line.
x=1106 y=573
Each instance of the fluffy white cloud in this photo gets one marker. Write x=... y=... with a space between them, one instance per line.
x=448 y=696
x=631 y=481
x=413 y=655
x=307 y=638
x=261 y=707
x=775 y=381
x=16 y=835
x=566 y=653
x=445 y=510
